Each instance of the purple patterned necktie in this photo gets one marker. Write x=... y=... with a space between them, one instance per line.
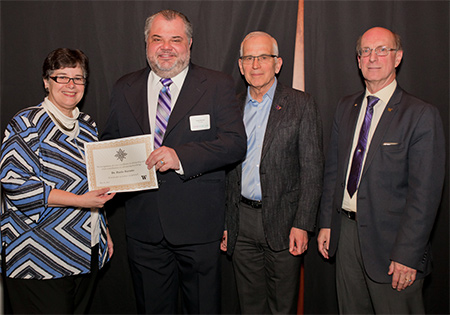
x=162 y=112
x=361 y=147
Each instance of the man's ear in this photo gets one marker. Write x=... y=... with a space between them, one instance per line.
x=278 y=64
x=398 y=57
x=240 y=66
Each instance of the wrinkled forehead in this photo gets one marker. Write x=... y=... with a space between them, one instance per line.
x=259 y=43
x=378 y=37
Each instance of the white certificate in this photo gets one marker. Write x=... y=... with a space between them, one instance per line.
x=120 y=164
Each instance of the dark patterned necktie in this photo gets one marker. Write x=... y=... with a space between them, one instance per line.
x=162 y=112
x=361 y=147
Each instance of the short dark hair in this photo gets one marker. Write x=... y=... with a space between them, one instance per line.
x=169 y=15
x=65 y=58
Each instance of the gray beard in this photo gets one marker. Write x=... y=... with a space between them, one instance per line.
x=171 y=72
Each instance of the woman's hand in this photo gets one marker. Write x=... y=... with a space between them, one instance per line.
x=96 y=198
x=110 y=242
x=91 y=199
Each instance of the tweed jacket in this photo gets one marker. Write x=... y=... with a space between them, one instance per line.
x=290 y=170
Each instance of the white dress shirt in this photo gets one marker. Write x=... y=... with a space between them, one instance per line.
x=154 y=86
x=349 y=203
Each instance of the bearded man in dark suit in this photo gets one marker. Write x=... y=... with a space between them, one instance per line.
x=382 y=187
x=174 y=232
x=273 y=195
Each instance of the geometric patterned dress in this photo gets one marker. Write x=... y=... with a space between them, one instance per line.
x=42 y=242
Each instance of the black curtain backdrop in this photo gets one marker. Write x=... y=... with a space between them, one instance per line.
x=111 y=34
x=331 y=71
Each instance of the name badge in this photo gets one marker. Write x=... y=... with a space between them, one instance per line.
x=200 y=122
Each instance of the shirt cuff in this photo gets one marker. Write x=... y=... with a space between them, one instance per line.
x=180 y=171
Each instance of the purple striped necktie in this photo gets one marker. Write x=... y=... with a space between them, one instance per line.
x=162 y=112
x=361 y=147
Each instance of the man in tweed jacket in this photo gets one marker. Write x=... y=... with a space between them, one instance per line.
x=273 y=195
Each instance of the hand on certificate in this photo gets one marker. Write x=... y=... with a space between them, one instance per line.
x=91 y=199
x=163 y=159
x=96 y=198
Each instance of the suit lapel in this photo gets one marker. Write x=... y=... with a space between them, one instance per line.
x=382 y=127
x=191 y=92
x=241 y=97
x=276 y=115
x=349 y=129
x=136 y=97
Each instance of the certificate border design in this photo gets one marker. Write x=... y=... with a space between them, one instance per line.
x=151 y=183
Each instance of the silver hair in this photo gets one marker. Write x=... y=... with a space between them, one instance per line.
x=259 y=33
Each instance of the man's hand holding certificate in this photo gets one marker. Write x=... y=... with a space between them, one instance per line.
x=120 y=164
x=164 y=159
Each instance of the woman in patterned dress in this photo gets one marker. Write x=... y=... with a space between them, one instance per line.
x=53 y=230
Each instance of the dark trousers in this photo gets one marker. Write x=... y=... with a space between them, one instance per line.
x=267 y=281
x=67 y=295
x=160 y=271
x=357 y=293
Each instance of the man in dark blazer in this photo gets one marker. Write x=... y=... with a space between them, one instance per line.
x=273 y=196
x=378 y=223
x=174 y=232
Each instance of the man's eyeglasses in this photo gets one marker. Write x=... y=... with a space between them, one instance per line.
x=380 y=51
x=262 y=59
x=66 y=80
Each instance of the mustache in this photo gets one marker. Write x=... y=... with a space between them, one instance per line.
x=167 y=52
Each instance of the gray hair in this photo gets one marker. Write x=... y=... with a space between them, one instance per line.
x=169 y=15
x=259 y=33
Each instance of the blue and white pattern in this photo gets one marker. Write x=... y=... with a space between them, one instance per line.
x=44 y=242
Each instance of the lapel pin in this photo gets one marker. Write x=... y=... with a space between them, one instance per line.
x=355 y=105
x=278 y=107
x=390 y=109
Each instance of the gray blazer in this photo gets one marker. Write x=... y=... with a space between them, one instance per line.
x=291 y=170
x=400 y=187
